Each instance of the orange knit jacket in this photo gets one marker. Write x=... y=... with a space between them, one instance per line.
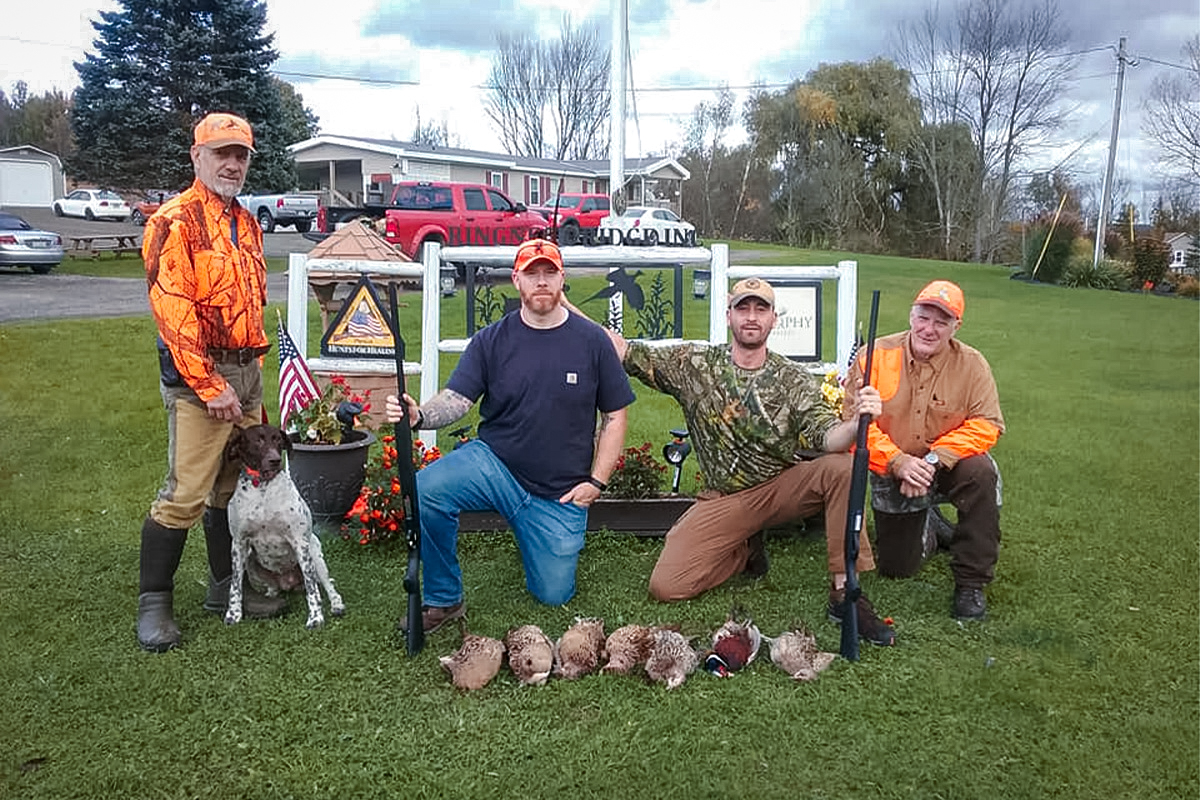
x=205 y=293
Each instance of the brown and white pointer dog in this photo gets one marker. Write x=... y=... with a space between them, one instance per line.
x=274 y=545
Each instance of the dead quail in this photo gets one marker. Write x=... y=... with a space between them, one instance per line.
x=627 y=647
x=671 y=658
x=580 y=649
x=737 y=641
x=475 y=663
x=530 y=654
x=796 y=653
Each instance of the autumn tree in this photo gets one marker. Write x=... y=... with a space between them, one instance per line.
x=550 y=99
x=160 y=66
x=38 y=120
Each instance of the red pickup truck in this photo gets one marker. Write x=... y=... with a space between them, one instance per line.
x=579 y=215
x=451 y=214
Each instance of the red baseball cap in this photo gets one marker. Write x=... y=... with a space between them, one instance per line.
x=532 y=251
x=945 y=295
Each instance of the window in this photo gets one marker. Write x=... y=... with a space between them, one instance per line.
x=474 y=200
x=535 y=191
x=499 y=202
x=496 y=179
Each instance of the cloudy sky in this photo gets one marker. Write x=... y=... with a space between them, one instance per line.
x=383 y=60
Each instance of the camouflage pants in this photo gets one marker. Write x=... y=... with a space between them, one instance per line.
x=907 y=528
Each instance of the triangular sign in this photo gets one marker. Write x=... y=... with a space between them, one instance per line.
x=361 y=329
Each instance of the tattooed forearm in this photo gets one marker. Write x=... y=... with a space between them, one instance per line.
x=444 y=408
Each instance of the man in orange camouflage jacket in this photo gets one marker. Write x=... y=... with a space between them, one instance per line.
x=941 y=416
x=208 y=285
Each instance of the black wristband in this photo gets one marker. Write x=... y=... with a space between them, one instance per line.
x=420 y=421
x=599 y=484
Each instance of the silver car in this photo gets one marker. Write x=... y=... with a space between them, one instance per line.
x=23 y=246
x=92 y=204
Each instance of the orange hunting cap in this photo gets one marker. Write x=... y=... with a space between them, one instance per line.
x=221 y=130
x=945 y=295
x=752 y=287
x=532 y=251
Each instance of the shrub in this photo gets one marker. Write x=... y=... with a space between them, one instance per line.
x=1151 y=258
x=1108 y=274
x=637 y=474
x=1058 y=251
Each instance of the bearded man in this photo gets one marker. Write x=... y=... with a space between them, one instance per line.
x=540 y=375
x=756 y=420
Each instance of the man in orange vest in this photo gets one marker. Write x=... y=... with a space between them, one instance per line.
x=941 y=417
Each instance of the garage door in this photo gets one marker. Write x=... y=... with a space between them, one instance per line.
x=426 y=171
x=26 y=183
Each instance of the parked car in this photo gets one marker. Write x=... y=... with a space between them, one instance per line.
x=650 y=226
x=282 y=209
x=143 y=208
x=579 y=215
x=92 y=204
x=22 y=245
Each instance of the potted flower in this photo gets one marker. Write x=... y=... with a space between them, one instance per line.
x=329 y=450
x=377 y=515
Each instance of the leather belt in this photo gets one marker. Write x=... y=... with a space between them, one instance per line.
x=242 y=357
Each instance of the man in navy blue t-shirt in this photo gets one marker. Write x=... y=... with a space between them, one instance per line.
x=541 y=375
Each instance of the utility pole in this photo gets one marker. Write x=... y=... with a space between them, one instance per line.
x=1112 y=156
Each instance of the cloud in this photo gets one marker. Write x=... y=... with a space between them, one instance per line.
x=464 y=25
x=401 y=65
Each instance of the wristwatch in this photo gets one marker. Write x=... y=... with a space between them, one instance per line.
x=932 y=458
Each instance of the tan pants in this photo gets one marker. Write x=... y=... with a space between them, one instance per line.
x=197 y=473
x=707 y=545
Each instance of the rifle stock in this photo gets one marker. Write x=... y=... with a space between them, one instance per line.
x=856 y=509
x=414 y=636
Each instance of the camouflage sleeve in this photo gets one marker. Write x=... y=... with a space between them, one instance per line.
x=660 y=368
x=813 y=416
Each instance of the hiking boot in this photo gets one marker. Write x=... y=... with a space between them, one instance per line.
x=939 y=531
x=757 y=562
x=255 y=604
x=870 y=627
x=434 y=617
x=969 y=603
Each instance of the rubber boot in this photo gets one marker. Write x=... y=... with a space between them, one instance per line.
x=162 y=547
x=219 y=541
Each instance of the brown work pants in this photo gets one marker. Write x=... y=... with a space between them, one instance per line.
x=707 y=545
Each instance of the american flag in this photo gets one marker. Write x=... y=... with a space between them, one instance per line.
x=364 y=324
x=296 y=386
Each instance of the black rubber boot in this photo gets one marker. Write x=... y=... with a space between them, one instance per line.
x=219 y=541
x=162 y=547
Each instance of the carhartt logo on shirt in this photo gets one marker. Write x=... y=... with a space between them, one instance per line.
x=572 y=378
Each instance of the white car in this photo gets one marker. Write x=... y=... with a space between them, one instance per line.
x=92 y=204
x=649 y=226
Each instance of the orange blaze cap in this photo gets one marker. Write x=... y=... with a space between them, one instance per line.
x=532 y=251
x=945 y=295
x=220 y=130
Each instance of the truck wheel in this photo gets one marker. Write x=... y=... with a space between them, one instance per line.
x=568 y=234
x=266 y=221
x=425 y=243
x=303 y=225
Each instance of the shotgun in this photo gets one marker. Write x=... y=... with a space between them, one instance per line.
x=414 y=637
x=856 y=509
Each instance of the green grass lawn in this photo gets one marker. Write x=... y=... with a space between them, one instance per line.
x=1084 y=682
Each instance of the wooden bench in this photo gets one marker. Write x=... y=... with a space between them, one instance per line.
x=93 y=246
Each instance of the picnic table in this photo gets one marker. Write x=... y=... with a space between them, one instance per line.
x=118 y=244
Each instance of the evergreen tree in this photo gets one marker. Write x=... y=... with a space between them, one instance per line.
x=160 y=66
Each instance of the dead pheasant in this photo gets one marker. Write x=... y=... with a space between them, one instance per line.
x=580 y=649
x=796 y=653
x=735 y=644
x=671 y=658
x=530 y=654
x=475 y=663
x=627 y=647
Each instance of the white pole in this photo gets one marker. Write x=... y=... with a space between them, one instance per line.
x=616 y=152
x=1112 y=155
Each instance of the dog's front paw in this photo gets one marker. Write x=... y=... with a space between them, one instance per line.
x=315 y=620
x=337 y=609
x=233 y=617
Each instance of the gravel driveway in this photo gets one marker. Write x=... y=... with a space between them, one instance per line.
x=25 y=296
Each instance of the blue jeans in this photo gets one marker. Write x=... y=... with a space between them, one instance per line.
x=549 y=534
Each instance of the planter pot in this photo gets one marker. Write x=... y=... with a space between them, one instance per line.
x=330 y=476
x=650 y=517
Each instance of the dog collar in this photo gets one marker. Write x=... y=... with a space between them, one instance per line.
x=255 y=476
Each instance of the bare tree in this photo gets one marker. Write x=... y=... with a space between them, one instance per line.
x=709 y=124
x=998 y=69
x=430 y=134
x=560 y=85
x=1172 y=116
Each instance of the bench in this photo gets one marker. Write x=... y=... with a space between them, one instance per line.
x=93 y=246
